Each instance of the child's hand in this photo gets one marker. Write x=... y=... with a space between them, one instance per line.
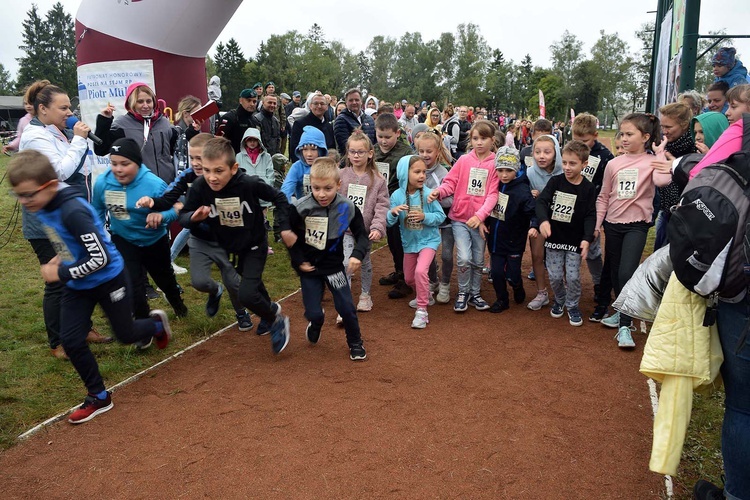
x=434 y=195
x=354 y=265
x=701 y=148
x=534 y=193
x=50 y=270
x=533 y=233
x=306 y=267
x=596 y=234
x=154 y=220
x=483 y=231
x=584 y=249
x=398 y=209
x=375 y=235
x=416 y=216
x=144 y=202
x=288 y=237
x=200 y=214
x=474 y=222
x=545 y=229
x=664 y=166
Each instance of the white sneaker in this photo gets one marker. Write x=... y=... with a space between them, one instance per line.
x=178 y=269
x=434 y=287
x=421 y=318
x=413 y=302
x=444 y=293
x=339 y=321
x=541 y=300
x=365 y=303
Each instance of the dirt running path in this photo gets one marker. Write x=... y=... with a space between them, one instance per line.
x=516 y=405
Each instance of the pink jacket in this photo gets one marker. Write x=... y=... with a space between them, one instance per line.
x=13 y=145
x=465 y=203
x=377 y=202
x=729 y=142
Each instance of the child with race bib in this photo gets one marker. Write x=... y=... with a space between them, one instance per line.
x=473 y=183
x=418 y=220
x=366 y=188
x=625 y=206
x=438 y=161
x=546 y=163
x=312 y=145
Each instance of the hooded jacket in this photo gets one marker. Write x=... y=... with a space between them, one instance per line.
x=735 y=76
x=714 y=124
x=346 y=123
x=270 y=129
x=172 y=195
x=214 y=88
x=297 y=181
x=538 y=177
x=89 y=258
x=125 y=220
x=236 y=217
x=605 y=155
x=372 y=99
x=263 y=166
x=451 y=133
x=298 y=128
x=478 y=200
x=161 y=137
x=375 y=204
x=325 y=247
x=509 y=228
x=425 y=234
x=235 y=123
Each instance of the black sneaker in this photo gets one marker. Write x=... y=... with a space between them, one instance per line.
x=244 y=323
x=91 y=407
x=264 y=327
x=400 y=291
x=599 y=314
x=357 y=352
x=151 y=294
x=391 y=279
x=461 y=304
x=313 y=333
x=519 y=294
x=212 y=304
x=703 y=490
x=499 y=307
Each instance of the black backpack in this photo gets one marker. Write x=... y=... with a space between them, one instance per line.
x=708 y=231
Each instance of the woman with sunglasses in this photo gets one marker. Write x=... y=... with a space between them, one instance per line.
x=66 y=149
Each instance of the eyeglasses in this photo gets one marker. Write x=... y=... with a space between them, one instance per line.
x=29 y=196
x=357 y=154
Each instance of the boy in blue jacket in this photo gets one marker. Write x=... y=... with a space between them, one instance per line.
x=312 y=145
x=90 y=267
x=507 y=227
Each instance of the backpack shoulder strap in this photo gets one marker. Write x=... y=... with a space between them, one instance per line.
x=746 y=131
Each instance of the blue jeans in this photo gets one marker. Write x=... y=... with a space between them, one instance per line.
x=735 y=433
x=179 y=243
x=469 y=257
x=661 y=229
x=312 y=296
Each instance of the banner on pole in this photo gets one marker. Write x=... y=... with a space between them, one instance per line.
x=542 y=108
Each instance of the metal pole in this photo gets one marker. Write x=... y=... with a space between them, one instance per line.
x=660 y=9
x=690 y=44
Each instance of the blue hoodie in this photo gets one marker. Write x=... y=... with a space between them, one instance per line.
x=735 y=76
x=538 y=177
x=297 y=181
x=125 y=219
x=425 y=234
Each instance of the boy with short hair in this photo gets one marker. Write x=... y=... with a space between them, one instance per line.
x=388 y=151
x=227 y=201
x=585 y=129
x=507 y=227
x=311 y=146
x=541 y=127
x=204 y=250
x=319 y=221
x=566 y=211
x=92 y=270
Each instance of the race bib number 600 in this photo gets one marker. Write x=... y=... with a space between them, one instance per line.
x=316 y=232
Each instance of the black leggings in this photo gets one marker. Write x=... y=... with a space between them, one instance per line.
x=623 y=249
x=396 y=247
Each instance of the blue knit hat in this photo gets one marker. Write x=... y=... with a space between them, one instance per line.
x=725 y=57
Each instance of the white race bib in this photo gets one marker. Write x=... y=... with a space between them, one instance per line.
x=477 y=182
x=61 y=249
x=316 y=232
x=116 y=202
x=529 y=161
x=627 y=183
x=502 y=205
x=358 y=194
x=384 y=169
x=230 y=212
x=414 y=226
x=589 y=171
x=306 y=186
x=563 y=205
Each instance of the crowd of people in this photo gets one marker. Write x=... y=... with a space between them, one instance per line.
x=476 y=187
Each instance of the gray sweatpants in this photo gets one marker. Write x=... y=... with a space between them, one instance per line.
x=564 y=270
x=202 y=255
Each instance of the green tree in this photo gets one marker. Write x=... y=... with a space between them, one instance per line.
x=636 y=87
x=364 y=71
x=610 y=55
x=6 y=85
x=414 y=71
x=49 y=49
x=279 y=59
x=471 y=61
x=566 y=54
x=586 y=88
x=445 y=71
x=210 y=67
x=381 y=53
x=500 y=79
x=230 y=64
x=523 y=86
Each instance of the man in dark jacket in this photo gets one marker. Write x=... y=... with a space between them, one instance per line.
x=352 y=118
x=270 y=129
x=236 y=122
x=463 y=136
x=317 y=118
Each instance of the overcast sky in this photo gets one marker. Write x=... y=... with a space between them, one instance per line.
x=505 y=25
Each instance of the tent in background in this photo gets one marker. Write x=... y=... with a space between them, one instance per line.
x=11 y=110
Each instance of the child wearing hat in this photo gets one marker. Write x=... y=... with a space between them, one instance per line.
x=729 y=69
x=139 y=234
x=507 y=227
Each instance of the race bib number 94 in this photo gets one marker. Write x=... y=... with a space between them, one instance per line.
x=627 y=183
x=230 y=212
x=562 y=206
x=477 y=182
x=316 y=232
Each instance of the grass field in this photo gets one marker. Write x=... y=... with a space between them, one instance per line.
x=35 y=386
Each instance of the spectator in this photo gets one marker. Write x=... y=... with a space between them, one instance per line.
x=350 y=119
x=268 y=123
x=694 y=100
x=237 y=121
x=727 y=68
x=25 y=119
x=316 y=118
x=716 y=97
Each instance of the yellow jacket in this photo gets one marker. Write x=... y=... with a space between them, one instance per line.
x=684 y=356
